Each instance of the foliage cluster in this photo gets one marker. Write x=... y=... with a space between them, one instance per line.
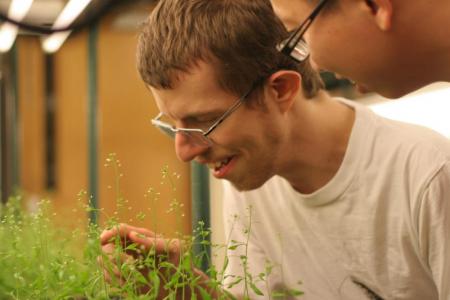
x=39 y=260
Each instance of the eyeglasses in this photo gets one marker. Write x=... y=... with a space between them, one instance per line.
x=198 y=136
x=294 y=46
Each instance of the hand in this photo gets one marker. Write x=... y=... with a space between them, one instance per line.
x=165 y=255
x=155 y=257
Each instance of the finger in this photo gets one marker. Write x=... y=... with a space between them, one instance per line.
x=113 y=253
x=109 y=268
x=110 y=256
x=109 y=235
x=113 y=280
x=122 y=231
x=143 y=231
x=106 y=276
x=115 y=267
x=114 y=256
x=108 y=248
x=158 y=244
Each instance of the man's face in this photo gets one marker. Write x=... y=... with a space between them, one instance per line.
x=346 y=39
x=244 y=145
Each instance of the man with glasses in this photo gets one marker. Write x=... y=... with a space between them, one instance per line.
x=392 y=47
x=320 y=190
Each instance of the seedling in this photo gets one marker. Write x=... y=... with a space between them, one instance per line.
x=41 y=260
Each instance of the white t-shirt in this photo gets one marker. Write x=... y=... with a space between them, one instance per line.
x=379 y=229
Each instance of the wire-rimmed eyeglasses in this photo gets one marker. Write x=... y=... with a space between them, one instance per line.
x=294 y=46
x=198 y=136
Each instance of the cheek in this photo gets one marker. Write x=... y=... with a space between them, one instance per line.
x=244 y=140
x=327 y=47
x=331 y=41
x=333 y=53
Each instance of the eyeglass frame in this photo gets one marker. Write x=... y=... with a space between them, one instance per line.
x=293 y=43
x=168 y=128
x=295 y=40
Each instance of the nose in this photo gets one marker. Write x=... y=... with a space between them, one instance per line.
x=186 y=149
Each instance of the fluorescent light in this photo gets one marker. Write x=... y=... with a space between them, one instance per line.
x=54 y=41
x=8 y=32
x=71 y=11
x=19 y=9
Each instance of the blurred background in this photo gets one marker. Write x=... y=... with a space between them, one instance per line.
x=68 y=100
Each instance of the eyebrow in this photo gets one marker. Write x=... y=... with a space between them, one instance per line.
x=199 y=115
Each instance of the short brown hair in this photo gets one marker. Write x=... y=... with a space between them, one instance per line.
x=238 y=36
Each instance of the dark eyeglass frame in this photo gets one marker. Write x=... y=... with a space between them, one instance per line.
x=171 y=131
x=294 y=46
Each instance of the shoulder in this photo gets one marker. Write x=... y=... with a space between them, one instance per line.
x=422 y=149
x=402 y=133
x=392 y=135
x=397 y=149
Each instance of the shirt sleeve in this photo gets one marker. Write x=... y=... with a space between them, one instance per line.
x=434 y=229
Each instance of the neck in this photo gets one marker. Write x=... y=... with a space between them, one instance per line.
x=316 y=143
x=428 y=38
x=441 y=69
x=436 y=55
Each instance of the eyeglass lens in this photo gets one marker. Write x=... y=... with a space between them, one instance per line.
x=193 y=137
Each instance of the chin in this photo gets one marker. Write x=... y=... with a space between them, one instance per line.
x=395 y=90
x=394 y=93
x=248 y=185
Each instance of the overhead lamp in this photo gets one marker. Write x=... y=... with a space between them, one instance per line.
x=8 y=32
x=71 y=11
x=53 y=42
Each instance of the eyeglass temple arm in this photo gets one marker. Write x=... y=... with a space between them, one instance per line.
x=233 y=108
x=295 y=37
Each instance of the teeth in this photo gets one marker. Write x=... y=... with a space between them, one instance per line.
x=219 y=164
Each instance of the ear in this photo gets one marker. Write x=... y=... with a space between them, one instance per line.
x=382 y=11
x=284 y=87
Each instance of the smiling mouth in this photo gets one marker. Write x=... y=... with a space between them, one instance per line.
x=217 y=166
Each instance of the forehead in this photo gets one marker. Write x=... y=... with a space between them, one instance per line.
x=194 y=92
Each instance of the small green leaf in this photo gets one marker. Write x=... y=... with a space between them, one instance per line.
x=255 y=289
x=278 y=294
x=205 y=295
x=154 y=280
x=237 y=281
x=225 y=263
x=294 y=292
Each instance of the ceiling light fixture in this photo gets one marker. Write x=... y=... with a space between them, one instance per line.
x=18 y=9
x=71 y=11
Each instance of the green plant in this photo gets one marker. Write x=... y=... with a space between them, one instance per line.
x=41 y=260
